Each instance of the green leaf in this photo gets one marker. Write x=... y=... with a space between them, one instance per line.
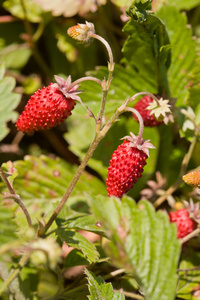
x=8 y=226
x=78 y=221
x=147 y=50
x=15 y=56
x=124 y=85
x=99 y=290
x=76 y=240
x=180 y=4
x=32 y=10
x=122 y=3
x=75 y=258
x=8 y=102
x=188 y=287
x=138 y=10
x=193 y=85
x=142 y=241
x=43 y=177
x=184 y=56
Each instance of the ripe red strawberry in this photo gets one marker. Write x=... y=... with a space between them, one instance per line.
x=49 y=106
x=184 y=223
x=141 y=105
x=126 y=165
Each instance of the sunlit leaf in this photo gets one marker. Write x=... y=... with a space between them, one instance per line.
x=183 y=52
x=142 y=241
x=8 y=102
x=44 y=177
x=180 y=4
x=122 y=3
x=8 y=227
x=147 y=49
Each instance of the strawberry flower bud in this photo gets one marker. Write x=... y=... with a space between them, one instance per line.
x=82 y=32
x=192 y=178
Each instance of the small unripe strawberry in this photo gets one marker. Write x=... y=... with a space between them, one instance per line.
x=49 y=106
x=126 y=165
x=148 y=119
x=184 y=223
x=192 y=178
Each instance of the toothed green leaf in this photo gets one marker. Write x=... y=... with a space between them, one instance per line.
x=99 y=290
x=9 y=100
x=143 y=242
x=76 y=240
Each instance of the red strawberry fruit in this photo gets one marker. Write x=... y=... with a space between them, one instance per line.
x=126 y=165
x=49 y=106
x=184 y=223
x=141 y=105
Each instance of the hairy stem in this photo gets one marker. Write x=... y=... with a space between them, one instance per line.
x=98 y=137
x=16 y=272
x=105 y=84
x=132 y=295
x=91 y=78
x=76 y=177
x=110 y=54
x=141 y=123
x=194 y=233
x=15 y=197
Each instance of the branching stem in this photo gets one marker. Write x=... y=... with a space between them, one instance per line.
x=98 y=137
x=15 y=197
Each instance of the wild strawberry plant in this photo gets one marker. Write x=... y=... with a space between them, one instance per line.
x=99 y=165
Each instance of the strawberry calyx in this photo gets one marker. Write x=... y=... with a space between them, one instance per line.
x=193 y=210
x=139 y=143
x=67 y=88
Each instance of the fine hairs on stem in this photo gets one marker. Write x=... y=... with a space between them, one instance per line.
x=98 y=135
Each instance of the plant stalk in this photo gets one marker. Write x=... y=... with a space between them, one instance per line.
x=15 y=197
x=76 y=177
x=16 y=272
x=98 y=137
x=194 y=233
x=105 y=84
